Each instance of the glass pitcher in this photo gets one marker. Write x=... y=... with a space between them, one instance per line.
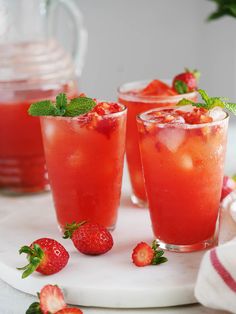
x=34 y=66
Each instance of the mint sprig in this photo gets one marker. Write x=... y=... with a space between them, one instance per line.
x=209 y=102
x=78 y=106
x=61 y=107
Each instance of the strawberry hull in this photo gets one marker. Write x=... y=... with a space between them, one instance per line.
x=183 y=171
x=84 y=157
x=137 y=103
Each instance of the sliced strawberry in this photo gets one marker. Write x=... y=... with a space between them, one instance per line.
x=228 y=186
x=142 y=254
x=51 y=299
x=70 y=310
x=157 y=88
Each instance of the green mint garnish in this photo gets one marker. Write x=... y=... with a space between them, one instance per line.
x=209 y=102
x=158 y=254
x=61 y=102
x=78 y=106
x=181 y=87
x=42 y=108
x=61 y=107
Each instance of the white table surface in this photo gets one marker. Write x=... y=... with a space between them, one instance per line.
x=13 y=301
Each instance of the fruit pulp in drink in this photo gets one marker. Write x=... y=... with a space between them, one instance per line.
x=84 y=157
x=183 y=156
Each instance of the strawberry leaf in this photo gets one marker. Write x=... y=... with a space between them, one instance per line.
x=34 y=309
x=180 y=87
x=158 y=254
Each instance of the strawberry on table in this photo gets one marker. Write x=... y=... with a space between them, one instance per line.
x=186 y=82
x=51 y=299
x=46 y=256
x=144 y=254
x=89 y=238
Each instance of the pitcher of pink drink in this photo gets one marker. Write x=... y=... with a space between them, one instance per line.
x=33 y=67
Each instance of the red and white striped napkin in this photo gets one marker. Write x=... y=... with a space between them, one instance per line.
x=216 y=282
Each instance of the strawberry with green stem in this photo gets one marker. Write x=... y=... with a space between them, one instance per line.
x=186 y=82
x=89 y=238
x=45 y=255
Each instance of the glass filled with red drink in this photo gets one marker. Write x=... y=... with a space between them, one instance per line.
x=183 y=151
x=84 y=157
x=139 y=97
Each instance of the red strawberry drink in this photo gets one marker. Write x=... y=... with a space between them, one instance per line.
x=84 y=156
x=22 y=161
x=139 y=97
x=183 y=151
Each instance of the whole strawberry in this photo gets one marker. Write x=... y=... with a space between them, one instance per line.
x=89 y=238
x=46 y=256
x=186 y=82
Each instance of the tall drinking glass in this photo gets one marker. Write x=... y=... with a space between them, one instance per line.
x=84 y=157
x=183 y=171
x=136 y=104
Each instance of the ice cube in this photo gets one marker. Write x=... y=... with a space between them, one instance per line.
x=217 y=114
x=49 y=130
x=187 y=108
x=178 y=120
x=186 y=162
x=172 y=138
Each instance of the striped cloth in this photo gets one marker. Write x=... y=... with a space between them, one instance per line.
x=216 y=282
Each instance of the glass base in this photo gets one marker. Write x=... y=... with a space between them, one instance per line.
x=186 y=248
x=138 y=201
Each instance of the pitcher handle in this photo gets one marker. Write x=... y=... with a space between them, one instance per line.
x=79 y=32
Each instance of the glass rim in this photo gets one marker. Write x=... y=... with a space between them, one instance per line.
x=129 y=86
x=82 y=117
x=140 y=117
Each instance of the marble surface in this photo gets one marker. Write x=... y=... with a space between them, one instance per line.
x=87 y=279
x=13 y=301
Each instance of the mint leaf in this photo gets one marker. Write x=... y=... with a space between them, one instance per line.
x=230 y=107
x=42 y=108
x=61 y=102
x=181 y=87
x=204 y=96
x=184 y=102
x=78 y=106
x=210 y=102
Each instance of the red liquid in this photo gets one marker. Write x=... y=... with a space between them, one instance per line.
x=22 y=161
x=183 y=170
x=85 y=163
x=136 y=106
